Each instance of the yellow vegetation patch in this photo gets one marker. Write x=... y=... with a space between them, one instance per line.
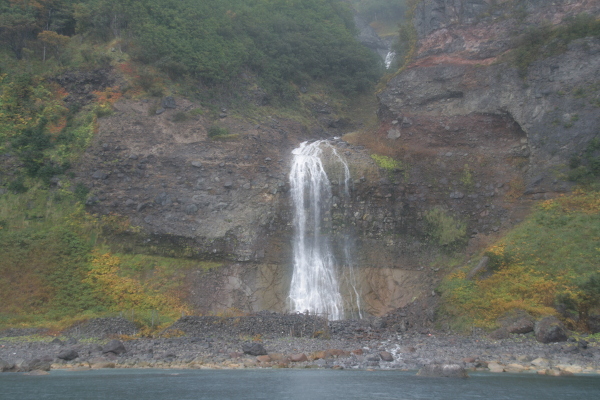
x=128 y=293
x=552 y=258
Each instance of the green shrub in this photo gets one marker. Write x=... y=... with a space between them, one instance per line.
x=585 y=168
x=216 y=131
x=445 y=229
x=180 y=116
x=387 y=163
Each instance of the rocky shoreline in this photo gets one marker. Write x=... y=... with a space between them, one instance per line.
x=220 y=343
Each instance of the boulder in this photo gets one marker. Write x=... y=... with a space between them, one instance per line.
x=522 y=325
x=5 y=366
x=254 y=349
x=263 y=359
x=37 y=372
x=386 y=356
x=114 y=346
x=443 y=371
x=499 y=334
x=594 y=323
x=298 y=357
x=320 y=355
x=495 y=367
x=550 y=329
x=277 y=357
x=514 y=368
x=169 y=102
x=68 y=355
x=101 y=364
x=35 y=364
x=337 y=353
x=540 y=363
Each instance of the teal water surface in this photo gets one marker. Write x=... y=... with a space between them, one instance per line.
x=289 y=384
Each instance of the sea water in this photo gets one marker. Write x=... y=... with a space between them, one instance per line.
x=288 y=384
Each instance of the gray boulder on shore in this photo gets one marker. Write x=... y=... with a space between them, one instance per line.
x=68 y=355
x=254 y=349
x=35 y=364
x=550 y=329
x=114 y=346
x=5 y=366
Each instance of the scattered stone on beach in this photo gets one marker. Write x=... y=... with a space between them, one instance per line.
x=349 y=345
x=443 y=371
x=386 y=356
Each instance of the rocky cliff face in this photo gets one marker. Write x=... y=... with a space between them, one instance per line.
x=476 y=139
x=463 y=72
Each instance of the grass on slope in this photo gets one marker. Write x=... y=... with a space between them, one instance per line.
x=552 y=258
x=54 y=269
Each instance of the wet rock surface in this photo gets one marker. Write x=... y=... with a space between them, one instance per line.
x=443 y=371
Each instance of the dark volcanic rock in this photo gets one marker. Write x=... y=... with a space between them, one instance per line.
x=386 y=356
x=5 y=366
x=254 y=349
x=550 y=329
x=68 y=355
x=35 y=364
x=443 y=371
x=115 y=347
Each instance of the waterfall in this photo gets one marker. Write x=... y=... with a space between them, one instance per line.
x=389 y=59
x=315 y=283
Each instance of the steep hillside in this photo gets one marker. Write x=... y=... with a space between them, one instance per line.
x=151 y=158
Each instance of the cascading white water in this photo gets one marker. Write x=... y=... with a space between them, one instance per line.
x=315 y=285
x=389 y=59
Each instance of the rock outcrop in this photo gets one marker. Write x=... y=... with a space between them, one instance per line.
x=464 y=80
